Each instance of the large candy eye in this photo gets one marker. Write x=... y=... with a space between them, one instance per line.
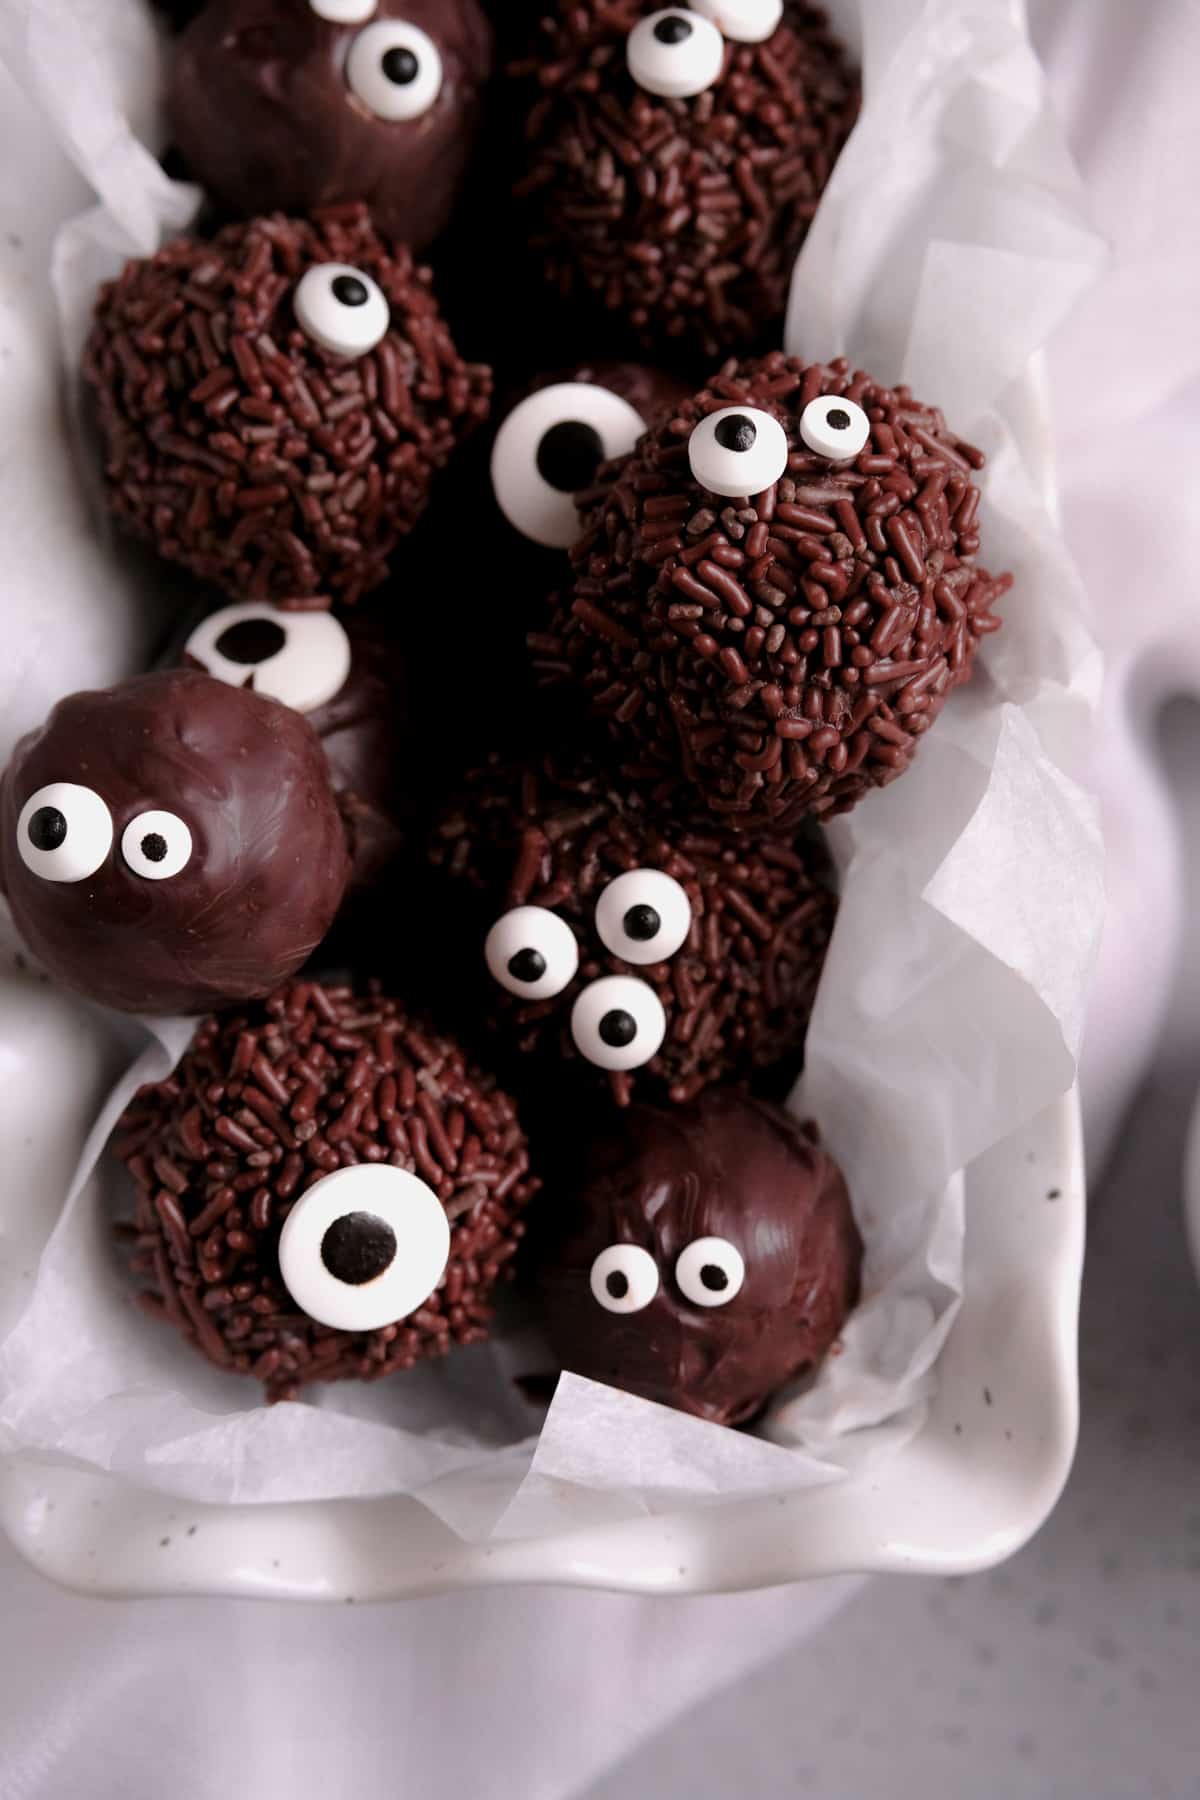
x=156 y=845
x=624 y=1278
x=834 y=427
x=343 y=12
x=742 y=21
x=341 y=309
x=618 y=1022
x=532 y=952
x=64 y=832
x=364 y=1247
x=710 y=1271
x=548 y=450
x=299 y=658
x=643 y=916
x=395 y=69
x=738 y=450
x=675 y=54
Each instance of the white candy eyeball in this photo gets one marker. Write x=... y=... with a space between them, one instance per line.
x=675 y=54
x=738 y=451
x=299 y=658
x=156 y=845
x=742 y=21
x=364 y=1247
x=834 y=427
x=343 y=12
x=64 y=832
x=624 y=1278
x=618 y=1022
x=532 y=952
x=643 y=916
x=548 y=450
x=341 y=309
x=710 y=1271
x=395 y=69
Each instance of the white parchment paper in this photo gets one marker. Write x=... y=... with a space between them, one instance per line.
x=950 y=244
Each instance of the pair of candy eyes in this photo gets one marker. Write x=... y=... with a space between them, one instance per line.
x=677 y=54
x=708 y=1272
x=393 y=68
x=65 y=833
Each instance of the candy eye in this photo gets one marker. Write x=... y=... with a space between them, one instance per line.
x=343 y=12
x=156 y=845
x=738 y=451
x=341 y=309
x=710 y=1271
x=834 y=427
x=742 y=21
x=675 y=54
x=548 y=450
x=643 y=916
x=364 y=1247
x=299 y=658
x=64 y=832
x=624 y=1278
x=395 y=69
x=532 y=952
x=618 y=1022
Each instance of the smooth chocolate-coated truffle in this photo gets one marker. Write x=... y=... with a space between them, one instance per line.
x=282 y=105
x=658 y=954
x=671 y=175
x=266 y=1228
x=275 y=403
x=171 y=844
x=707 y=1256
x=776 y=592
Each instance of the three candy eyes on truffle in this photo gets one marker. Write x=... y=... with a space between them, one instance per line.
x=709 y=1272
x=65 y=832
x=740 y=450
x=678 y=54
x=617 y=1022
x=393 y=68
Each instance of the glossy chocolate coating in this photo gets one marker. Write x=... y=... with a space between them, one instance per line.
x=260 y=109
x=730 y=1167
x=268 y=867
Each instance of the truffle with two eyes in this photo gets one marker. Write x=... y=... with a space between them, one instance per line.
x=708 y=1256
x=276 y=402
x=172 y=843
x=776 y=592
x=292 y=105
x=658 y=954
x=674 y=159
x=324 y=1189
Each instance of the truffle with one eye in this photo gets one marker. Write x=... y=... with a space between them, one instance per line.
x=275 y=403
x=708 y=1255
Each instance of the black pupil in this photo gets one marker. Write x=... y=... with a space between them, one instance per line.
x=569 y=455
x=251 y=641
x=47 y=828
x=349 y=290
x=736 y=432
x=672 y=29
x=618 y=1028
x=617 y=1284
x=714 y=1278
x=836 y=419
x=642 y=924
x=154 y=846
x=527 y=965
x=400 y=66
x=358 y=1247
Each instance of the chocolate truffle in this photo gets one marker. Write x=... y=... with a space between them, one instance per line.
x=292 y=105
x=673 y=160
x=707 y=1256
x=275 y=403
x=776 y=592
x=657 y=954
x=171 y=844
x=325 y=1189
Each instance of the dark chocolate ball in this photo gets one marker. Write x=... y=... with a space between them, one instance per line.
x=777 y=591
x=706 y=1256
x=272 y=1224
x=648 y=952
x=276 y=403
x=679 y=211
x=171 y=844
x=275 y=107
